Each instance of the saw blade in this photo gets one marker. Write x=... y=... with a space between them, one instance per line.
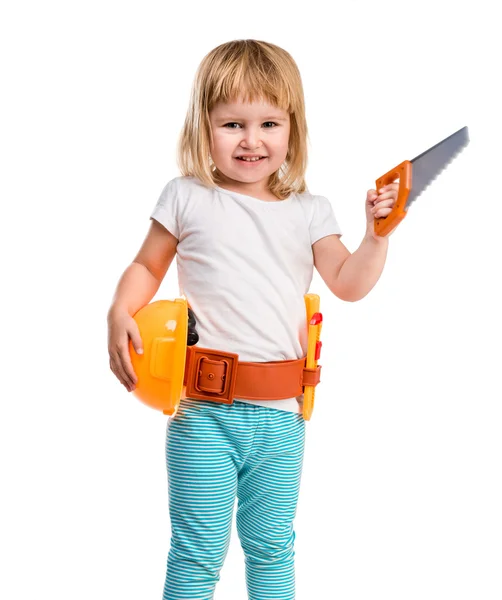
x=428 y=165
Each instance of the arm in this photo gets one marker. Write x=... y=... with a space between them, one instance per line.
x=350 y=276
x=142 y=278
x=137 y=286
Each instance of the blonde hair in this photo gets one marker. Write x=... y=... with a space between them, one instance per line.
x=251 y=70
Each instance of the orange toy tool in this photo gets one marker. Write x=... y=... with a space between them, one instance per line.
x=314 y=323
x=415 y=175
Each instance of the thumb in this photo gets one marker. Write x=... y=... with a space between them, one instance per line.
x=135 y=336
x=371 y=196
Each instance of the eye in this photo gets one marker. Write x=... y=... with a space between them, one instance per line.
x=270 y=123
x=231 y=125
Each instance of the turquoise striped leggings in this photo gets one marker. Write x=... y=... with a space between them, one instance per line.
x=215 y=453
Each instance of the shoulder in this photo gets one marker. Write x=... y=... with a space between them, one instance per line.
x=174 y=185
x=183 y=198
x=186 y=186
x=320 y=215
x=308 y=198
x=313 y=203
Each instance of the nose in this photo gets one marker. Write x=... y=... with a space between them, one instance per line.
x=251 y=138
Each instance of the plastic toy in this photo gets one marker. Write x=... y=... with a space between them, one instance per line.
x=314 y=322
x=415 y=175
x=168 y=366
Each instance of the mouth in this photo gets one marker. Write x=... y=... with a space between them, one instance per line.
x=250 y=159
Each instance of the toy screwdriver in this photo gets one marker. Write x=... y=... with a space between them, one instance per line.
x=314 y=323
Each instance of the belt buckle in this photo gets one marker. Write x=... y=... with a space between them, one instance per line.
x=211 y=375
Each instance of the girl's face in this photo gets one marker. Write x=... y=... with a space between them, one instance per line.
x=258 y=132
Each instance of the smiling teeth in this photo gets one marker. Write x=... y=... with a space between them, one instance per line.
x=250 y=159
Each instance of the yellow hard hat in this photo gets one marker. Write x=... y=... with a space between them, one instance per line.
x=163 y=326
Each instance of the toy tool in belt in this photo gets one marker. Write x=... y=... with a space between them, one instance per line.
x=415 y=175
x=314 y=324
x=172 y=365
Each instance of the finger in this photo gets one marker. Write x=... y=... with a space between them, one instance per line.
x=135 y=336
x=384 y=204
x=377 y=210
x=387 y=195
x=123 y=363
x=118 y=371
x=126 y=364
x=382 y=212
x=390 y=186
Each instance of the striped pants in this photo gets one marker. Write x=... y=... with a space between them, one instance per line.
x=215 y=453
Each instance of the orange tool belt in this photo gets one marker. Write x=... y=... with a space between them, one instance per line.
x=220 y=377
x=171 y=368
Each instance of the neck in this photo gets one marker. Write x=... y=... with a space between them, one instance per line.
x=256 y=189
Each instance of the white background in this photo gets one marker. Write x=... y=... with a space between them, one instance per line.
x=401 y=489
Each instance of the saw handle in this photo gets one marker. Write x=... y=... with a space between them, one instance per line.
x=384 y=225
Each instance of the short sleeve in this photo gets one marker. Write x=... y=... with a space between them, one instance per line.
x=166 y=209
x=323 y=221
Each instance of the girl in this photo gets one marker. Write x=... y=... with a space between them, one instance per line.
x=246 y=234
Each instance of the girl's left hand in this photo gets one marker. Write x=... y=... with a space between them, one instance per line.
x=380 y=205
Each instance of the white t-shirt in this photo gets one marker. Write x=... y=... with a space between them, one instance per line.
x=244 y=266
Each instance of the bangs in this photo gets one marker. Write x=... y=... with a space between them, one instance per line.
x=251 y=74
x=249 y=86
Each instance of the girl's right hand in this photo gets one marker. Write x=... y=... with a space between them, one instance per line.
x=121 y=328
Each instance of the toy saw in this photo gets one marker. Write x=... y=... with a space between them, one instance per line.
x=415 y=175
